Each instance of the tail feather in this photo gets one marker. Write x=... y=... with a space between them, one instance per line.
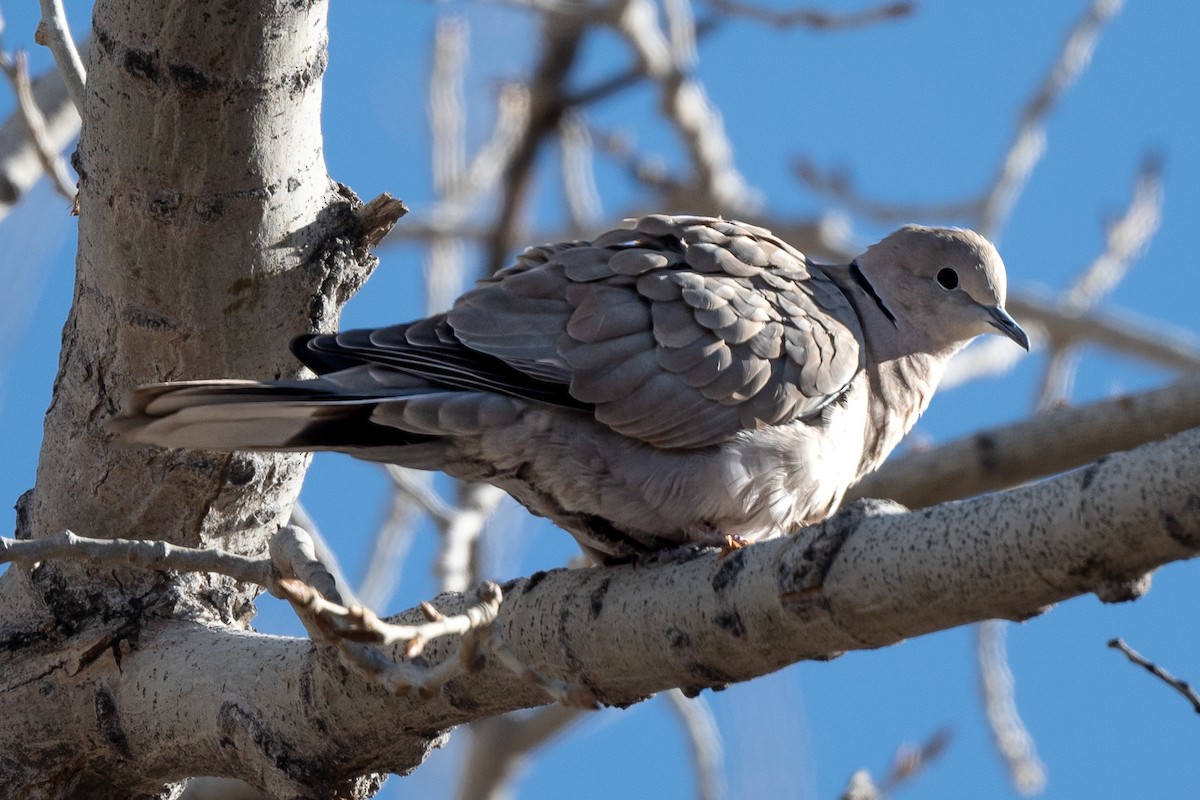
x=248 y=415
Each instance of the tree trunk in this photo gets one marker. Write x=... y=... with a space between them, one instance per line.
x=209 y=236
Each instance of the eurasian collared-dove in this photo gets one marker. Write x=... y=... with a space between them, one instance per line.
x=661 y=385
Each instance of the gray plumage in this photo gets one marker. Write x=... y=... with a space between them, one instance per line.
x=662 y=384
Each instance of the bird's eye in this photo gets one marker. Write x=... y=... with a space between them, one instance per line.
x=947 y=278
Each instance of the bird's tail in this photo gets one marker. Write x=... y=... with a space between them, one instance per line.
x=228 y=415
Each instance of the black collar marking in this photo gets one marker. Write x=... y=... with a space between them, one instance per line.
x=866 y=286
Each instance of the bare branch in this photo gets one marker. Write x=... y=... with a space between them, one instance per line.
x=681 y=32
x=578 y=174
x=650 y=172
x=459 y=526
x=322 y=554
x=1121 y=332
x=53 y=32
x=294 y=553
x=989 y=357
x=142 y=553
x=417 y=486
x=837 y=185
x=1127 y=239
x=448 y=155
x=810 y=18
x=500 y=746
x=392 y=540
x=910 y=761
x=1012 y=739
x=562 y=33
x=1183 y=687
x=704 y=740
x=21 y=159
x=360 y=624
x=455 y=567
x=16 y=69
x=684 y=102
x=1029 y=144
x=1053 y=441
x=871 y=576
x=512 y=115
x=447 y=119
x=988 y=210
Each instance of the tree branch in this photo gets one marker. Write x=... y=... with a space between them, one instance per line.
x=988 y=210
x=16 y=69
x=1053 y=441
x=810 y=18
x=1009 y=734
x=562 y=33
x=20 y=159
x=1183 y=687
x=871 y=576
x=53 y=32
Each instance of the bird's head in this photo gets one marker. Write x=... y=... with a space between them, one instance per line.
x=948 y=281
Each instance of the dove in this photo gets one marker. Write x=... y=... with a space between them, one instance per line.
x=666 y=384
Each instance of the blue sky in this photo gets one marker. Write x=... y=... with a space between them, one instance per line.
x=919 y=110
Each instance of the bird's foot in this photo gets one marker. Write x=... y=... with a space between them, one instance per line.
x=731 y=543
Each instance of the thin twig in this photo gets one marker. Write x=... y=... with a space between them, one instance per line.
x=1119 y=331
x=512 y=115
x=20 y=159
x=359 y=624
x=141 y=553
x=650 y=172
x=1126 y=240
x=1183 y=687
x=809 y=18
x=459 y=526
x=1012 y=739
x=53 y=32
x=990 y=356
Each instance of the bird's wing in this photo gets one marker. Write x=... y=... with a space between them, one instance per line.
x=681 y=332
x=427 y=349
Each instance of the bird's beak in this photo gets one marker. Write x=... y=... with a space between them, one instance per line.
x=1002 y=320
